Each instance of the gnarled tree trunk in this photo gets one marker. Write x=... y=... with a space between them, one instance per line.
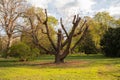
x=59 y=50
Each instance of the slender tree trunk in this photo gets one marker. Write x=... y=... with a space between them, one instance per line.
x=9 y=43
x=1 y=43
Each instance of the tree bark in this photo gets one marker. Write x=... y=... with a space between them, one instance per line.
x=59 y=59
x=59 y=51
x=9 y=42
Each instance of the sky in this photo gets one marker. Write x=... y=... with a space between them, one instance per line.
x=68 y=8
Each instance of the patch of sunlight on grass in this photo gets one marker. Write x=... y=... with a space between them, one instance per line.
x=91 y=73
x=77 y=67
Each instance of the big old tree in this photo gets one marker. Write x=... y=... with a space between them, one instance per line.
x=10 y=12
x=62 y=47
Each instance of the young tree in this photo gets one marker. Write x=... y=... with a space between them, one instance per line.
x=62 y=47
x=10 y=11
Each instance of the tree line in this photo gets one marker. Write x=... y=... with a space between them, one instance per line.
x=27 y=32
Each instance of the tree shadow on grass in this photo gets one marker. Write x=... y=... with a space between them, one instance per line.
x=17 y=63
x=7 y=63
x=40 y=64
x=70 y=61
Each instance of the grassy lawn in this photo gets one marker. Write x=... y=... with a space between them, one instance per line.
x=76 y=67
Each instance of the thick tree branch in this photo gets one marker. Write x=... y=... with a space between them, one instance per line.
x=76 y=21
x=35 y=39
x=48 y=33
x=64 y=28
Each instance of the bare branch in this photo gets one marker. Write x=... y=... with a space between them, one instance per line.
x=35 y=39
x=74 y=19
x=83 y=34
x=64 y=28
x=76 y=22
x=80 y=30
x=47 y=29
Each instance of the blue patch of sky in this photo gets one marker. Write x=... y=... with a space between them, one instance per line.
x=105 y=4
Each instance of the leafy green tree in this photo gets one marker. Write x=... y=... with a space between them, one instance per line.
x=99 y=24
x=95 y=31
x=111 y=42
x=87 y=45
x=117 y=22
x=104 y=19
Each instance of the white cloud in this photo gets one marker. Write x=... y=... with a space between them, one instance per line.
x=70 y=7
x=40 y=3
x=65 y=7
x=114 y=10
x=86 y=4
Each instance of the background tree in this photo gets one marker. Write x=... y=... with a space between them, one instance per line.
x=111 y=42
x=39 y=28
x=87 y=45
x=98 y=25
x=117 y=22
x=10 y=12
x=104 y=19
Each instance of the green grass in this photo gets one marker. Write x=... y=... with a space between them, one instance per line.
x=76 y=67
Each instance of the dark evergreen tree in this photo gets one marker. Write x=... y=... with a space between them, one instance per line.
x=111 y=42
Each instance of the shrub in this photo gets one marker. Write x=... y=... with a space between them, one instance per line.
x=23 y=52
x=111 y=42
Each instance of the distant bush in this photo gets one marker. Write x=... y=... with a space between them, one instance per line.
x=111 y=42
x=23 y=52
